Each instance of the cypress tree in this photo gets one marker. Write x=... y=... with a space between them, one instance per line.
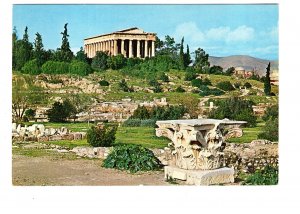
x=38 y=51
x=181 y=54
x=267 y=82
x=65 y=53
x=187 y=57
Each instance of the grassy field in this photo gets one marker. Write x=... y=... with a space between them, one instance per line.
x=141 y=135
x=249 y=134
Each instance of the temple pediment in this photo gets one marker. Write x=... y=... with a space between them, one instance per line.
x=131 y=30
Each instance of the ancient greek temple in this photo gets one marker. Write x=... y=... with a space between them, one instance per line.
x=131 y=42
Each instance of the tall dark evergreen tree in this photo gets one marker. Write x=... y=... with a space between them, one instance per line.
x=187 y=57
x=38 y=51
x=65 y=53
x=23 y=51
x=14 y=42
x=181 y=54
x=267 y=82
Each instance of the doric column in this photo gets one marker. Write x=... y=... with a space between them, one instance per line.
x=130 y=48
x=101 y=46
x=146 y=48
x=153 y=49
x=138 y=49
x=115 y=48
x=122 y=47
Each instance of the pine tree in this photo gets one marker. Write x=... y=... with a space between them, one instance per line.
x=38 y=51
x=23 y=51
x=267 y=82
x=14 y=42
x=65 y=53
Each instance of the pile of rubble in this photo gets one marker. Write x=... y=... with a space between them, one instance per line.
x=38 y=132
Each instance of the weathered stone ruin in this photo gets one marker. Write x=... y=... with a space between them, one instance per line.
x=38 y=132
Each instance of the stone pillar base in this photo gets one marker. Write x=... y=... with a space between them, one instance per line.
x=200 y=177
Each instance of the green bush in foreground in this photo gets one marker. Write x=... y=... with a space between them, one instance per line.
x=266 y=176
x=131 y=157
x=101 y=136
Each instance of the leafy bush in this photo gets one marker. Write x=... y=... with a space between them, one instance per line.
x=61 y=111
x=153 y=82
x=226 y=86
x=133 y=158
x=101 y=136
x=266 y=176
x=168 y=113
x=270 y=130
x=99 y=61
x=199 y=82
x=163 y=77
x=235 y=109
x=157 y=89
x=29 y=114
x=271 y=113
x=54 y=67
x=179 y=89
x=247 y=85
x=31 y=67
x=159 y=113
x=103 y=83
x=205 y=91
x=116 y=62
x=148 y=123
x=124 y=87
x=80 y=68
x=189 y=76
x=141 y=113
x=215 y=69
x=131 y=122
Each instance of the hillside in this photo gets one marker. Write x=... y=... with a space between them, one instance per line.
x=245 y=61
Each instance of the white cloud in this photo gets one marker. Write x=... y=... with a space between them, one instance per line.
x=219 y=33
x=241 y=34
x=189 y=30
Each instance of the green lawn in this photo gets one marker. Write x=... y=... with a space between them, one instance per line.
x=144 y=136
x=249 y=134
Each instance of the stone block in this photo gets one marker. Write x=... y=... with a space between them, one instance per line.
x=55 y=137
x=43 y=138
x=201 y=177
x=67 y=137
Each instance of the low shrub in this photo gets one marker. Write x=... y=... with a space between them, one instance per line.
x=101 y=136
x=133 y=158
x=80 y=68
x=148 y=123
x=31 y=67
x=205 y=91
x=163 y=77
x=103 y=83
x=270 y=130
x=54 y=67
x=266 y=176
x=132 y=122
x=189 y=76
x=226 y=86
x=179 y=89
x=247 y=85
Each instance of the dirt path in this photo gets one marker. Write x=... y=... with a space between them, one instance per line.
x=37 y=171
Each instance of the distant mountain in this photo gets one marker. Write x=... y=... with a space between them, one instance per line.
x=248 y=62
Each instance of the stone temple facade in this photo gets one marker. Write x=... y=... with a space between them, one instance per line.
x=131 y=42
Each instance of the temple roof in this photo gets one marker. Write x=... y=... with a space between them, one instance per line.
x=133 y=30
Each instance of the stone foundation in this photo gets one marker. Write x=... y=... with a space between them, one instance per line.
x=200 y=177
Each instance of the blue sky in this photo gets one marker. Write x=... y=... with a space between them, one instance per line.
x=221 y=30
